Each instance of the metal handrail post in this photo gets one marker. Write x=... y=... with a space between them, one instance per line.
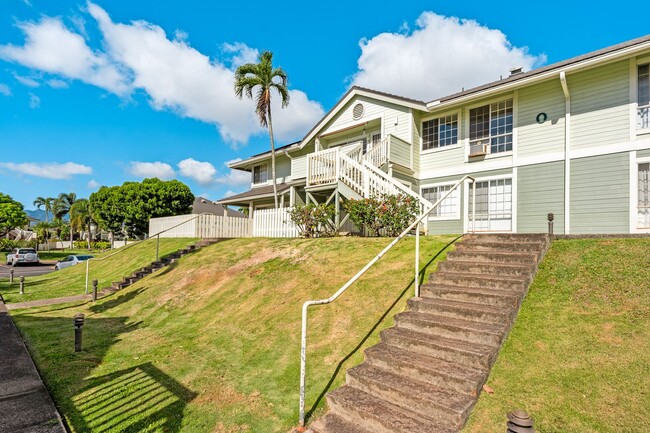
x=307 y=304
x=417 y=261
x=87 y=266
x=474 y=206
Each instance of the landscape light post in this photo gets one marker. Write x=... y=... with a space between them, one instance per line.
x=78 y=322
x=550 y=217
x=95 y=290
x=22 y=285
x=11 y=276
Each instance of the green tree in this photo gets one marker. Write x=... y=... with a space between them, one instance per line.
x=62 y=207
x=47 y=203
x=263 y=78
x=81 y=217
x=128 y=208
x=12 y=214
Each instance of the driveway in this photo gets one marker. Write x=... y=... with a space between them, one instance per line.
x=27 y=271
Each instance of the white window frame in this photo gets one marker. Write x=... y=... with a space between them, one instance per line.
x=253 y=174
x=459 y=140
x=467 y=222
x=455 y=195
x=634 y=193
x=489 y=154
x=634 y=95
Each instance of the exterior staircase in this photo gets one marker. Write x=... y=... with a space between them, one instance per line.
x=427 y=372
x=154 y=266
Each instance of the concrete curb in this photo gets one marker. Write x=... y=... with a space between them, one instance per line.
x=25 y=404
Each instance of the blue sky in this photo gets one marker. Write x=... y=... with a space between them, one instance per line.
x=99 y=93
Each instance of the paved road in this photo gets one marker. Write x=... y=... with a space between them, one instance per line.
x=27 y=271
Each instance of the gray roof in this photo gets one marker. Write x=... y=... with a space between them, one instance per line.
x=203 y=205
x=258 y=192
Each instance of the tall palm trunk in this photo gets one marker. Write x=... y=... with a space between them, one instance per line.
x=275 y=187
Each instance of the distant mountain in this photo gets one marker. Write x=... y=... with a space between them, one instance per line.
x=38 y=214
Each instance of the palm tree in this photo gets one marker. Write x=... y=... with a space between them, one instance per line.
x=48 y=204
x=263 y=77
x=81 y=216
x=64 y=204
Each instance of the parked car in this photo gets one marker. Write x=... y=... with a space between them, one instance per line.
x=23 y=256
x=71 y=261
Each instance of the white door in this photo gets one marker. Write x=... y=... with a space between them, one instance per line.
x=643 y=207
x=493 y=206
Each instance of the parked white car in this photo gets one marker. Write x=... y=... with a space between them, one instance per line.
x=22 y=256
x=71 y=261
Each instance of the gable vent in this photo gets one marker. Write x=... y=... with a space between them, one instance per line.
x=357 y=111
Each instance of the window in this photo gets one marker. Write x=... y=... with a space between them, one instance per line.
x=643 y=101
x=491 y=125
x=449 y=207
x=493 y=206
x=260 y=174
x=440 y=132
x=643 y=220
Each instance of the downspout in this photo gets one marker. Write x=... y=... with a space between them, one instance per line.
x=567 y=157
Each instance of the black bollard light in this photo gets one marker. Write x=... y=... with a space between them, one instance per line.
x=11 y=276
x=519 y=422
x=78 y=323
x=94 y=290
x=550 y=218
x=22 y=285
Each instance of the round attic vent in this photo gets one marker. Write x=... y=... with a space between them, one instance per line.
x=357 y=111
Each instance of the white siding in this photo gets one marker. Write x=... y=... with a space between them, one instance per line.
x=600 y=113
x=396 y=118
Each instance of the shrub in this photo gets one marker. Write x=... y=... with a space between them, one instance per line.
x=94 y=245
x=8 y=244
x=313 y=220
x=392 y=213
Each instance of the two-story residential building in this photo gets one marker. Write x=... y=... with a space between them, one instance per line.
x=572 y=139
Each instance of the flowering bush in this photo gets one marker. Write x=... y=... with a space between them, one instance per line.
x=313 y=220
x=392 y=213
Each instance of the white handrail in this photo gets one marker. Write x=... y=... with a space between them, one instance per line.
x=339 y=292
x=125 y=247
x=378 y=154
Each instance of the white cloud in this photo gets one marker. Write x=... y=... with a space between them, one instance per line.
x=26 y=81
x=235 y=179
x=92 y=184
x=51 y=47
x=229 y=193
x=34 y=101
x=161 y=170
x=57 y=84
x=175 y=76
x=202 y=172
x=441 y=56
x=49 y=170
x=5 y=90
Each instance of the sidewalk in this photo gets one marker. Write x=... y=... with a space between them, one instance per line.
x=25 y=404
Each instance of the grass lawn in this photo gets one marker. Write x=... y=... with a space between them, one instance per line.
x=578 y=356
x=71 y=281
x=212 y=343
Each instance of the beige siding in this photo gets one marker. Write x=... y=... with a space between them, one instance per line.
x=442 y=159
x=400 y=152
x=600 y=194
x=540 y=190
x=415 y=148
x=396 y=118
x=282 y=168
x=534 y=138
x=643 y=153
x=599 y=105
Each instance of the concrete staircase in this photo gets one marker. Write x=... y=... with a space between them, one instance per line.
x=427 y=372
x=154 y=266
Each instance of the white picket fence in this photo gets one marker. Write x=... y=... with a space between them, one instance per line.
x=274 y=223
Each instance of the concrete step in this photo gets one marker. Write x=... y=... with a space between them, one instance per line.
x=523 y=258
x=437 y=372
x=378 y=415
x=457 y=329
x=477 y=295
x=332 y=423
x=480 y=281
x=475 y=312
x=494 y=245
x=436 y=404
x=157 y=265
x=483 y=268
x=472 y=355
x=506 y=237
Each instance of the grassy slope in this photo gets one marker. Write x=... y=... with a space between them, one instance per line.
x=72 y=281
x=214 y=344
x=578 y=357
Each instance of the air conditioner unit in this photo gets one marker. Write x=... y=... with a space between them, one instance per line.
x=478 y=149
